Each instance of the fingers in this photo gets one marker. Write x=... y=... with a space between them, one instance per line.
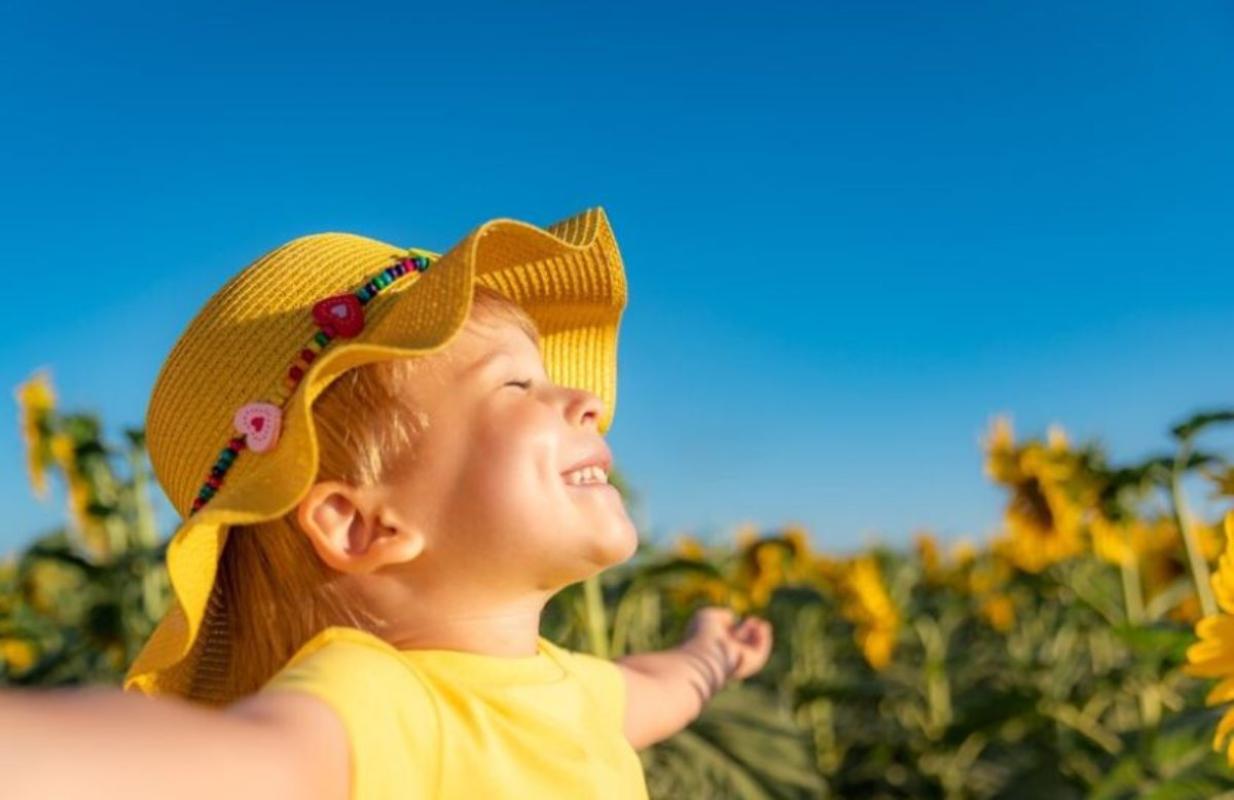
x=753 y=631
x=750 y=630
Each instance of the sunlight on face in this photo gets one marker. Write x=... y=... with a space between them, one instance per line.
x=489 y=484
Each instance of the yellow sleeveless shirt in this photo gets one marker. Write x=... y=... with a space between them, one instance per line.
x=449 y=724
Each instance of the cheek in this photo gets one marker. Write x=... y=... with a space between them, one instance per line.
x=526 y=434
x=516 y=473
x=502 y=502
x=513 y=459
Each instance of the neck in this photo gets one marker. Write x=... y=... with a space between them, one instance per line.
x=509 y=628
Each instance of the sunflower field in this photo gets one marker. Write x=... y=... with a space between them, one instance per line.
x=1085 y=651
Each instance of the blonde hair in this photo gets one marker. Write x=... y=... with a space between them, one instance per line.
x=272 y=593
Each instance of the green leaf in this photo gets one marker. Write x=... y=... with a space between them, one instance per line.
x=1161 y=642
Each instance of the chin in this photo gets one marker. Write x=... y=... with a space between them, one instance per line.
x=597 y=547
x=617 y=547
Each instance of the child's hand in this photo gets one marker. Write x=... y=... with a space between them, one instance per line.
x=745 y=645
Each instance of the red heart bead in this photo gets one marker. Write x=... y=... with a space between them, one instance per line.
x=341 y=315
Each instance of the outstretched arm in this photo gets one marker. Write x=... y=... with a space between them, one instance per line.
x=667 y=689
x=105 y=743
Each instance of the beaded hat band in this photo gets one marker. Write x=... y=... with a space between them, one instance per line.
x=260 y=351
x=258 y=423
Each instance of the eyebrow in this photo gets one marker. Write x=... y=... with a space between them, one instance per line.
x=484 y=363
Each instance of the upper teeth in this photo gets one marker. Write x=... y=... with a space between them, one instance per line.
x=591 y=474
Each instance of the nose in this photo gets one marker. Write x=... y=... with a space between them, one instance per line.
x=584 y=408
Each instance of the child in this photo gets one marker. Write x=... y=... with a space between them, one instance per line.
x=411 y=465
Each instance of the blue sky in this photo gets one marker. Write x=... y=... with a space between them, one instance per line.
x=852 y=231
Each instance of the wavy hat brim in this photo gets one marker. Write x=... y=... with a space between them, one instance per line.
x=568 y=276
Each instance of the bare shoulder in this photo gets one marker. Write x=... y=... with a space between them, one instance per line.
x=308 y=734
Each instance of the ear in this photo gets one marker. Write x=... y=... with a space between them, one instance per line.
x=352 y=531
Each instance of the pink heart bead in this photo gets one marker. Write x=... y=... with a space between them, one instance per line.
x=260 y=423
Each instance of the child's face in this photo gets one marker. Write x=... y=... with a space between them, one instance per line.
x=487 y=487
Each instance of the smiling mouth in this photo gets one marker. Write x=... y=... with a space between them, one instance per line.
x=590 y=475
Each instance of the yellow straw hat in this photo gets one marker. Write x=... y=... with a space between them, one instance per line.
x=230 y=429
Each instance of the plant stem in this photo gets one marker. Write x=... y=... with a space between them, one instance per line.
x=597 y=620
x=1133 y=597
x=1148 y=702
x=1182 y=517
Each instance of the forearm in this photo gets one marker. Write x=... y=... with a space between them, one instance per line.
x=679 y=683
x=101 y=742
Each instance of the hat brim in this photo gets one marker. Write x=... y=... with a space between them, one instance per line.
x=570 y=279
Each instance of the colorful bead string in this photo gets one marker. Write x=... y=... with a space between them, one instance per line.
x=259 y=423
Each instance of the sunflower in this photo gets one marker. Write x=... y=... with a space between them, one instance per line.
x=1112 y=540
x=1000 y=462
x=1163 y=562
x=710 y=591
x=927 y=553
x=1213 y=655
x=745 y=535
x=1210 y=539
x=963 y=554
x=989 y=574
x=8 y=585
x=689 y=548
x=953 y=570
x=765 y=563
x=17 y=655
x=1043 y=518
x=999 y=610
x=798 y=540
x=767 y=573
x=81 y=493
x=694 y=587
x=984 y=581
x=37 y=400
x=47 y=584
x=824 y=571
x=869 y=607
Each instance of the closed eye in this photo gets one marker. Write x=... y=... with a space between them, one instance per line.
x=524 y=384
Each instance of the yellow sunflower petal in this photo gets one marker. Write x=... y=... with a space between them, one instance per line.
x=1223 y=692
